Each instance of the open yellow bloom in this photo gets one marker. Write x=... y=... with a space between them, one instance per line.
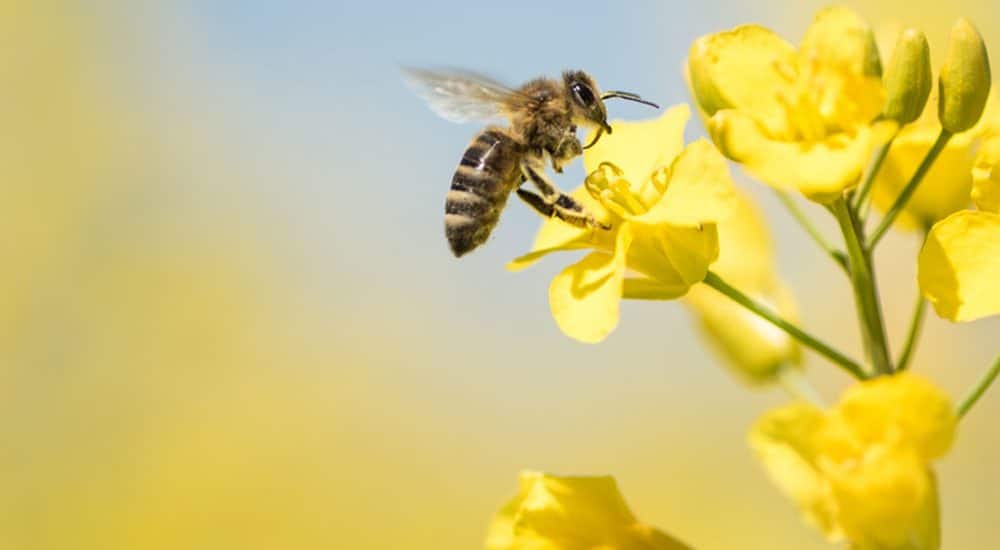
x=958 y=268
x=558 y=513
x=861 y=471
x=662 y=200
x=754 y=349
x=797 y=119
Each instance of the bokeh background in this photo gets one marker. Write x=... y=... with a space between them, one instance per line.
x=228 y=317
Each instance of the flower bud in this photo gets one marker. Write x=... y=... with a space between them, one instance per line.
x=908 y=78
x=964 y=83
x=872 y=65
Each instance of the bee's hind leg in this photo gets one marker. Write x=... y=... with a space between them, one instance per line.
x=553 y=203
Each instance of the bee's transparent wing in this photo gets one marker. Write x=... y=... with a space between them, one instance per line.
x=461 y=96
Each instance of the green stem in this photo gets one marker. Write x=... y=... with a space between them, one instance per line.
x=865 y=292
x=916 y=323
x=911 y=338
x=716 y=282
x=796 y=212
x=909 y=189
x=869 y=179
x=980 y=388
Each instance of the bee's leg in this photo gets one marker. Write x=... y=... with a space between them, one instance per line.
x=569 y=148
x=555 y=203
x=537 y=203
x=543 y=207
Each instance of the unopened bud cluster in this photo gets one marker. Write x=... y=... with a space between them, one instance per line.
x=963 y=85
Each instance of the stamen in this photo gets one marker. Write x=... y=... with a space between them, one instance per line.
x=624 y=191
x=606 y=198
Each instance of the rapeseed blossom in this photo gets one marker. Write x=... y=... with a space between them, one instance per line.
x=959 y=264
x=753 y=348
x=558 y=513
x=861 y=471
x=801 y=118
x=662 y=201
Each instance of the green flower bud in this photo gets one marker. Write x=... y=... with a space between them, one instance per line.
x=873 y=61
x=908 y=78
x=964 y=83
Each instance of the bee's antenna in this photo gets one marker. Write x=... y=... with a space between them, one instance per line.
x=600 y=130
x=629 y=96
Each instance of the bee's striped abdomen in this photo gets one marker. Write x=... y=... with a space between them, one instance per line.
x=485 y=177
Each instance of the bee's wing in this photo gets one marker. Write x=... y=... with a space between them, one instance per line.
x=462 y=96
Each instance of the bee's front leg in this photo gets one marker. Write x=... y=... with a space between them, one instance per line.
x=568 y=149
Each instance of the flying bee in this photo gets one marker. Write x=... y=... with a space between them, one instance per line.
x=544 y=115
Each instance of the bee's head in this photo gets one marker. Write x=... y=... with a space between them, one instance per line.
x=587 y=102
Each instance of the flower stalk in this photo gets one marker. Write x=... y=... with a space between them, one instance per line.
x=980 y=388
x=860 y=204
x=916 y=322
x=865 y=291
x=817 y=345
x=909 y=189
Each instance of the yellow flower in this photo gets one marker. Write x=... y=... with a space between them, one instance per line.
x=958 y=268
x=797 y=119
x=559 y=513
x=861 y=471
x=661 y=199
x=754 y=349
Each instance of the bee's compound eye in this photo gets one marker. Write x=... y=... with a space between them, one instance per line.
x=583 y=94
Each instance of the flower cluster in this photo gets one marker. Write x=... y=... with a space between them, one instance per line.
x=824 y=120
x=861 y=470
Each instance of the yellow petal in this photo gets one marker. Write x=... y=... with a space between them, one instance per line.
x=555 y=512
x=904 y=406
x=639 y=148
x=584 y=297
x=648 y=289
x=886 y=499
x=699 y=189
x=820 y=170
x=556 y=235
x=839 y=50
x=740 y=69
x=746 y=253
x=945 y=188
x=839 y=37
x=959 y=266
x=526 y=260
x=986 y=176
x=675 y=256
x=785 y=441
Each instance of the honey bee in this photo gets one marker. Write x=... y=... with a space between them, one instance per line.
x=544 y=115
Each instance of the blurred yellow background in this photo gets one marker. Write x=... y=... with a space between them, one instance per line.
x=228 y=318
